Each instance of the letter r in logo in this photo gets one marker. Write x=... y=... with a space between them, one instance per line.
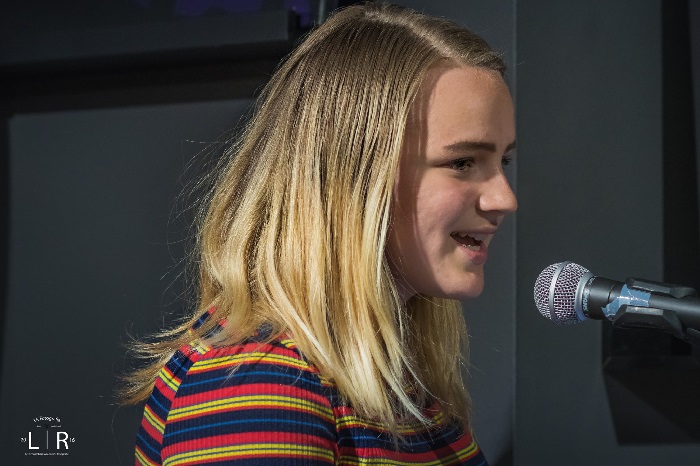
x=64 y=440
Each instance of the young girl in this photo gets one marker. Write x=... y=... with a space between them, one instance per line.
x=353 y=213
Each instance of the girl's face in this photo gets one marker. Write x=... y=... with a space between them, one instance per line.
x=451 y=193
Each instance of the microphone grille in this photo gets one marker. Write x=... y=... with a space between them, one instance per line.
x=555 y=292
x=542 y=289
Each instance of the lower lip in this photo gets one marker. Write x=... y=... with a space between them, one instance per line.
x=476 y=257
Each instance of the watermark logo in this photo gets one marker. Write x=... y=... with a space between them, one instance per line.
x=47 y=437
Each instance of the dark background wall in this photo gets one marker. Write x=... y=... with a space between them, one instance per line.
x=109 y=105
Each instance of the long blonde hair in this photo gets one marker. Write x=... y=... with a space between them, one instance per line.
x=294 y=231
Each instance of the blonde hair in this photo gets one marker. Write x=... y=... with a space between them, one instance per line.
x=294 y=232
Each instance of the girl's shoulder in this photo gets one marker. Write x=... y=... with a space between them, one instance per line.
x=242 y=401
x=259 y=354
x=254 y=356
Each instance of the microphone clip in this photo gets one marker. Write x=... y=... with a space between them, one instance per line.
x=661 y=319
x=674 y=291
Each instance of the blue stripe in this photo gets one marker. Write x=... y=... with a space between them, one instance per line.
x=145 y=443
x=446 y=436
x=240 y=374
x=176 y=363
x=243 y=421
x=155 y=400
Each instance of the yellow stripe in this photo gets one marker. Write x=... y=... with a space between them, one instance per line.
x=467 y=451
x=378 y=461
x=251 y=400
x=141 y=458
x=261 y=449
x=326 y=382
x=349 y=421
x=153 y=419
x=169 y=380
x=288 y=343
x=199 y=347
x=215 y=363
x=462 y=454
x=384 y=461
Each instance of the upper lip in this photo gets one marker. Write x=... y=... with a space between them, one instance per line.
x=480 y=231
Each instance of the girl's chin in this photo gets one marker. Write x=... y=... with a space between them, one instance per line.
x=471 y=294
x=468 y=289
x=459 y=289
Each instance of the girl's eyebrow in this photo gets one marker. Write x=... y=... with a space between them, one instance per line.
x=462 y=146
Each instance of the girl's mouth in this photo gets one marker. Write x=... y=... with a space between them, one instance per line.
x=471 y=241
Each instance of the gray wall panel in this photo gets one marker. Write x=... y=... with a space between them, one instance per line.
x=590 y=148
x=94 y=251
x=694 y=9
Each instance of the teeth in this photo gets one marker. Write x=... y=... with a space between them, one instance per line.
x=477 y=237
x=473 y=248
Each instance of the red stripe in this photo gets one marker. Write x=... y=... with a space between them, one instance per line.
x=152 y=431
x=164 y=390
x=253 y=347
x=248 y=361
x=250 y=438
x=232 y=391
x=257 y=457
x=460 y=444
x=425 y=457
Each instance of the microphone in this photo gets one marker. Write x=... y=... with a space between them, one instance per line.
x=568 y=293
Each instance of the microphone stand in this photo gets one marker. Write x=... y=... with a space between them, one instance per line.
x=662 y=319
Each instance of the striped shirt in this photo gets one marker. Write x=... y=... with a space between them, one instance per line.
x=275 y=409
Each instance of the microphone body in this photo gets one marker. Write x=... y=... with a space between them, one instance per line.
x=567 y=293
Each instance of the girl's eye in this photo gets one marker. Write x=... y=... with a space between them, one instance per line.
x=506 y=160
x=462 y=164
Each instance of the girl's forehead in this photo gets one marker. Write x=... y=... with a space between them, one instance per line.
x=460 y=103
